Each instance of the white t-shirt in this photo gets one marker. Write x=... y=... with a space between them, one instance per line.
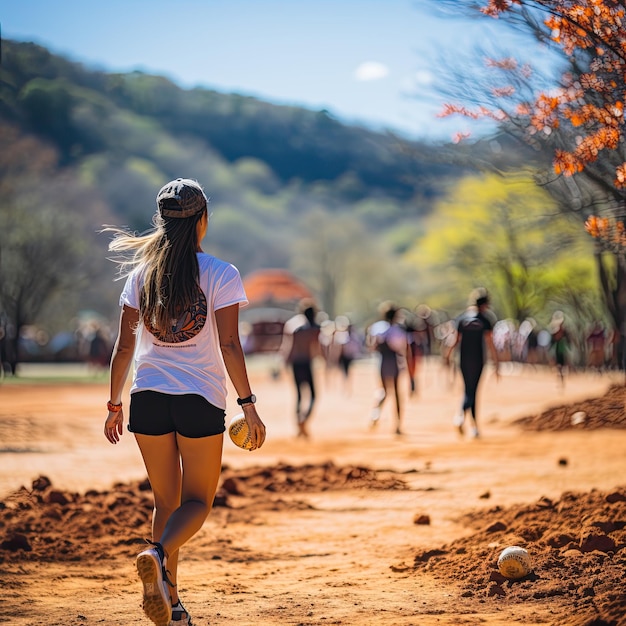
x=395 y=337
x=190 y=361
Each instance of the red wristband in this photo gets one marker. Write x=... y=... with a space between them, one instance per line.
x=114 y=408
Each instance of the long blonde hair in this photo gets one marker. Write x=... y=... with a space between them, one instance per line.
x=166 y=255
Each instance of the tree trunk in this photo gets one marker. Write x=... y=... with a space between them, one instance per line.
x=614 y=293
x=8 y=348
x=620 y=300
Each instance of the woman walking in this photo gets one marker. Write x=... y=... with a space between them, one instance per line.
x=179 y=320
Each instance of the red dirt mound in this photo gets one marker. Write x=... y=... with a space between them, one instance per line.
x=47 y=524
x=607 y=411
x=577 y=545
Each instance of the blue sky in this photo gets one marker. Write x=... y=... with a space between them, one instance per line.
x=371 y=62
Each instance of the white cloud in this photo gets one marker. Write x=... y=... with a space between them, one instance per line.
x=423 y=77
x=371 y=70
x=417 y=82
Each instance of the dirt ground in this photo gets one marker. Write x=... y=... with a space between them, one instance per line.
x=354 y=526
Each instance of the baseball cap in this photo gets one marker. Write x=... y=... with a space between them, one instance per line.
x=181 y=198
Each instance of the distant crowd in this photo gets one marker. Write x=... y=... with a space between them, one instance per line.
x=429 y=332
x=401 y=337
x=341 y=342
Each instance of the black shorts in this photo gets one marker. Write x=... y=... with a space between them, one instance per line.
x=191 y=415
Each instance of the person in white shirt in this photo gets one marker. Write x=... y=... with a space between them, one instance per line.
x=391 y=341
x=180 y=323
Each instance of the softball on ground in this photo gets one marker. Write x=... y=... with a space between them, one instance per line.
x=514 y=562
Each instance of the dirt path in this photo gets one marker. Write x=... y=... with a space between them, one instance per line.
x=322 y=531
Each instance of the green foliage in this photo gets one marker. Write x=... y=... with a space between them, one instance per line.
x=292 y=142
x=504 y=233
x=256 y=174
x=350 y=267
x=45 y=250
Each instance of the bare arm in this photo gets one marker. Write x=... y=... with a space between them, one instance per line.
x=409 y=356
x=451 y=347
x=370 y=341
x=492 y=350
x=227 y=320
x=286 y=345
x=120 y=366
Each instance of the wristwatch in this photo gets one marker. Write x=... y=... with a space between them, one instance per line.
x=251 y=399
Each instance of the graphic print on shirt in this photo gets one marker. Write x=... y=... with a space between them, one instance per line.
x=187 y=326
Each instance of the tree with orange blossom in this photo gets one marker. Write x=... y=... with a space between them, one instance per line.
x=579 y=118
x=590 y=98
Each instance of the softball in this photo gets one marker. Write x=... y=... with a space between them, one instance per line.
x=514 y=562
x=239 y=432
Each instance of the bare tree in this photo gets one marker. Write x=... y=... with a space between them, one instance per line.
x=46 y=240
x=349 y=268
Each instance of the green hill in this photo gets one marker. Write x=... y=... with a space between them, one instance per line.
x=85 y=112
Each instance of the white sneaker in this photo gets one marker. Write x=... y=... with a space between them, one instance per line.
x=374 y=417
x=458 y=419
x=156 y=596
x=475 y=433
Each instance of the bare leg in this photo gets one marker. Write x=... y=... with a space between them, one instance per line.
x=474 y=421
x=396 y=392
x=184 y=474
x=162 y=460
x=381 y=395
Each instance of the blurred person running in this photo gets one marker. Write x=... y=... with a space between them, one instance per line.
x=560 y=344
x=347 y=346
x=179 y=320
x=474 y=332
x=389 y=338
x=301 y=344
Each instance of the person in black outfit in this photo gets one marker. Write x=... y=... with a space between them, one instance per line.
x=474 y=331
